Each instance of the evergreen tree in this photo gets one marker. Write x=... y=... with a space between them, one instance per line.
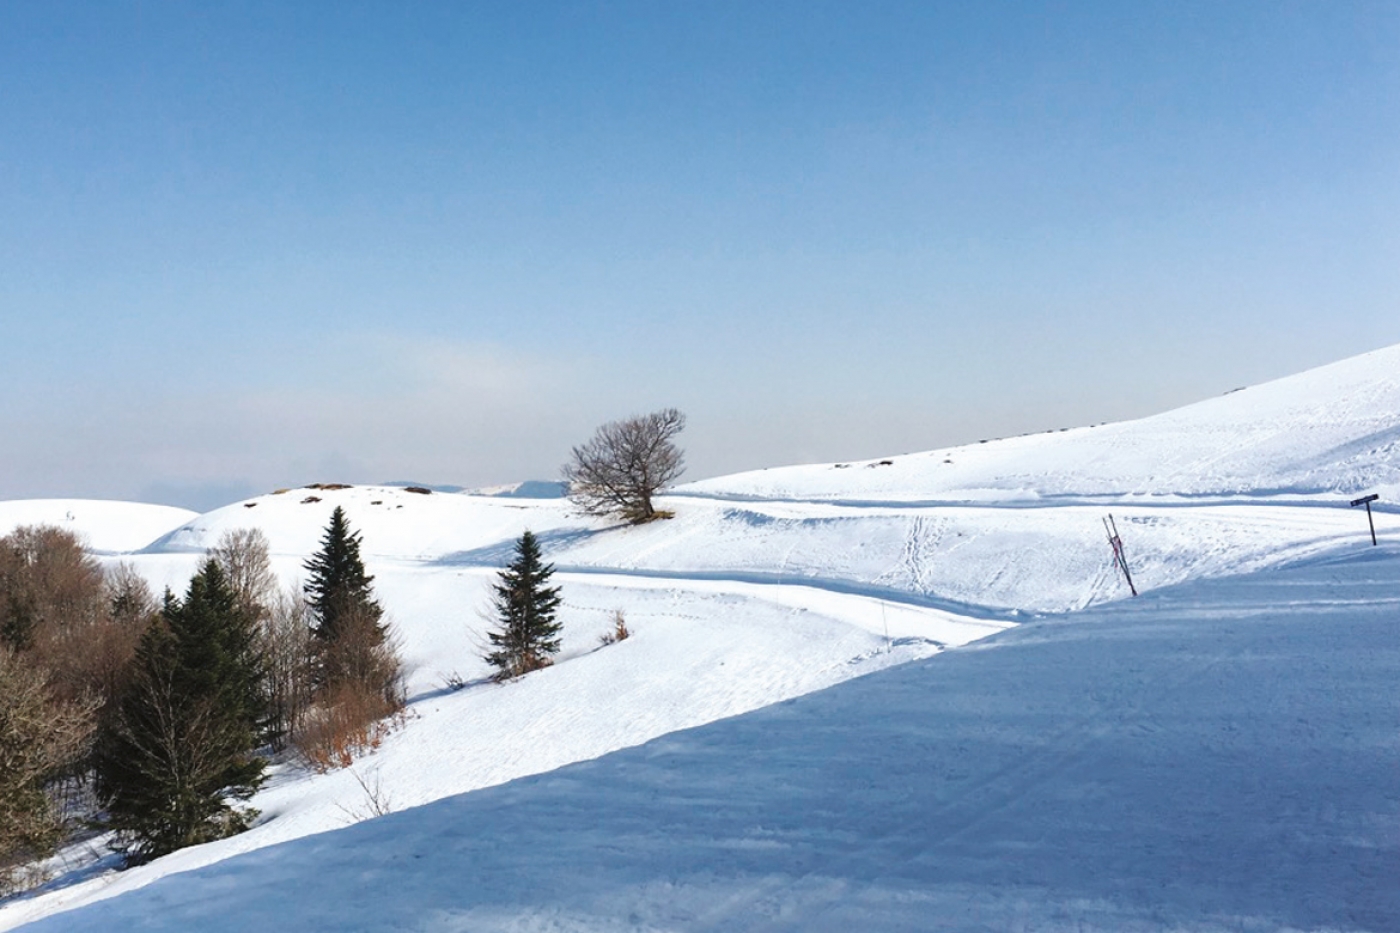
x=187 y=725
x=339 y=589
x=525 y=606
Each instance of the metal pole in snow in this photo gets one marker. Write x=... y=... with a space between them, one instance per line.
x=1120 y=560
x=1366 y=501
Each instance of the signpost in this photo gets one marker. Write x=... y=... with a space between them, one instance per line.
x=1366 y=501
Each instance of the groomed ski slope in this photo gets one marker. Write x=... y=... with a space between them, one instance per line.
x=1221 y=756
x=769 y=586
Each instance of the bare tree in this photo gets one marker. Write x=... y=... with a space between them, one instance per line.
x=40 y=736
x=285 y=642
x=242 y=554
x=625 y=463
x=129 y=597
x=59 y=610
x=50 y=588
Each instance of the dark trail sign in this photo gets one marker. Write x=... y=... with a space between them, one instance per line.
x=1366 y=501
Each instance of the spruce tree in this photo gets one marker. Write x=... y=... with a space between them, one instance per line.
x=187 y=725
x=339 y=589
x=525 y=606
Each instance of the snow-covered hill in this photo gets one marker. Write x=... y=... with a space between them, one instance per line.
x=1331 y=431
x=105 y=527
x=1218 y=757
x=768 y=586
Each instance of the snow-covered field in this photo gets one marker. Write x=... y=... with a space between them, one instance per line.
x=1219 y=754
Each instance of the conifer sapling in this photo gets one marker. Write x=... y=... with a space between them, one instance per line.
x=525 y=606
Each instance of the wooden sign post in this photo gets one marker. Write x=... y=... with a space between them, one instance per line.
x=1366 y=501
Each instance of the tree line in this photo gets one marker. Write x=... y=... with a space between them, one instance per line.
x=155 y=719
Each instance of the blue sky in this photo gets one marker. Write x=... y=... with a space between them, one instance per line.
x=248 y=245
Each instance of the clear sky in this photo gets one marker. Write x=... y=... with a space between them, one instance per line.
x=251 y=245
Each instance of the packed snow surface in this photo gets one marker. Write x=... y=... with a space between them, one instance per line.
x=1217 y=757
x=1101 y=765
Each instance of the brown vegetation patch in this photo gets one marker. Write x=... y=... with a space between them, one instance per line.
x=619 y=632
x=349 y=721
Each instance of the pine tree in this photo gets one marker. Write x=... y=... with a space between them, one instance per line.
x=339 y=588
x=187 y=725
x=351 y=646
x=525 y=607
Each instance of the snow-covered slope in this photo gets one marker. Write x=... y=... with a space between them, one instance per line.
x=1330 y=430
x=106 y=527
x=771 y=585
x=1216 y=758
x=393 y=522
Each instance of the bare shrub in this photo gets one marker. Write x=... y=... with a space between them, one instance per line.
x=375 y=800
x=619 y=631
x=360 y=697
x=40 y=737
x=364 y=652
x=347 y=721
x=624 y=464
